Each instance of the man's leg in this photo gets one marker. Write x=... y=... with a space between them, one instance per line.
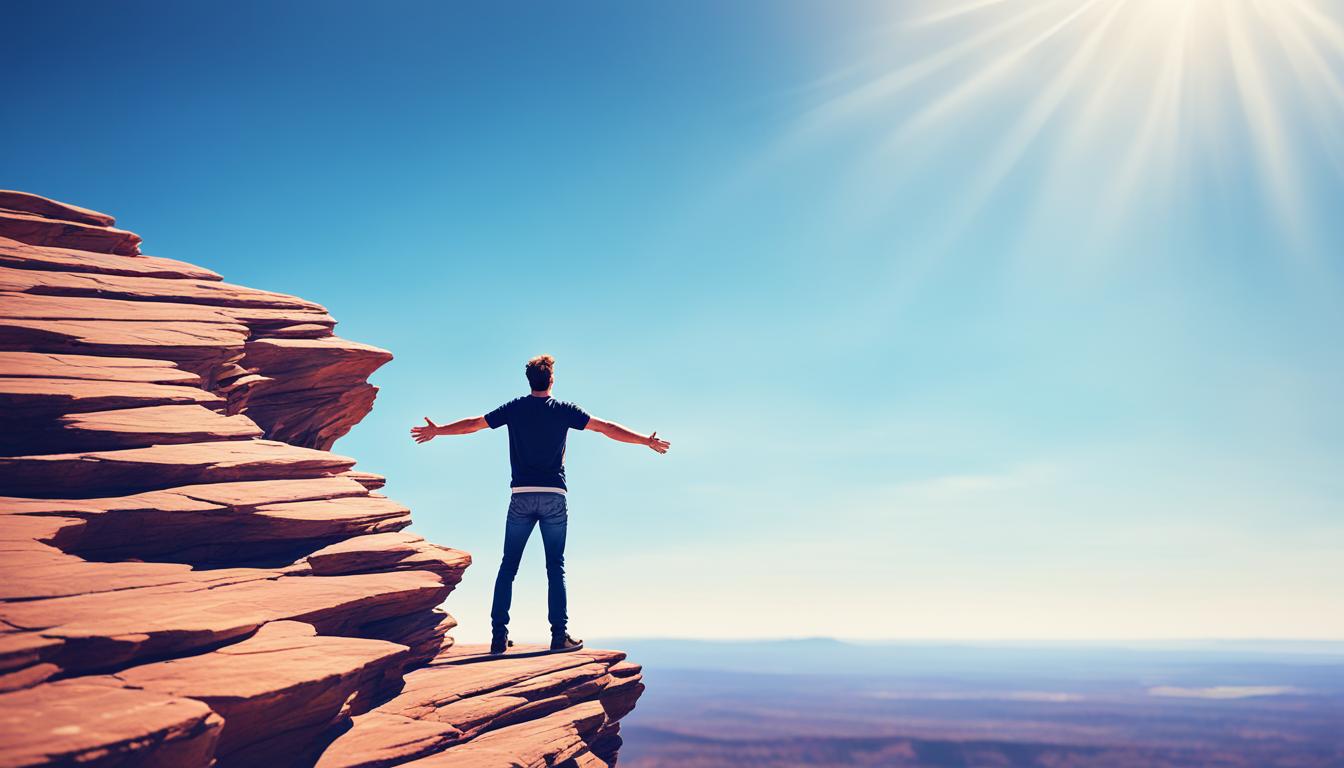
x=554 y=518
x=517 y=528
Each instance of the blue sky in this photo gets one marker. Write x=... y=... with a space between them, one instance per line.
x=970 y=324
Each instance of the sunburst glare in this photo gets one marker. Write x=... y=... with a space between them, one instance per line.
x=1128 y=100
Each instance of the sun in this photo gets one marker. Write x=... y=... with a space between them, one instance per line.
x=1145 y=89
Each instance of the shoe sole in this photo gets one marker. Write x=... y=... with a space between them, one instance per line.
x=512 y=654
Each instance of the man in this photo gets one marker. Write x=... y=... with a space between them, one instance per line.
x=538 y=425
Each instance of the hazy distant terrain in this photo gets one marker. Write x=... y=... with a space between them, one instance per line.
x=824 y=703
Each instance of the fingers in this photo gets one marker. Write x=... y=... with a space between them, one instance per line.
x=653 y=442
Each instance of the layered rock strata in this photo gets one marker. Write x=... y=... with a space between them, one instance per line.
x=190 y=577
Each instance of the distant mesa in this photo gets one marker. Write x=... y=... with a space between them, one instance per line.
x=191 y=577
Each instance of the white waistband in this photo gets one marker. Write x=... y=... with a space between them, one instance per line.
x=538 y=489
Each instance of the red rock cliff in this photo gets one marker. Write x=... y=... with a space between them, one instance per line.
x=189 y=577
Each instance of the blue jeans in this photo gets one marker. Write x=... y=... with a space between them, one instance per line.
x=526 y=510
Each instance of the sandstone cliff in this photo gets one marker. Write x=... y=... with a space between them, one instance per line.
x=190 y=577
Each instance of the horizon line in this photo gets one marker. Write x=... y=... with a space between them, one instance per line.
x=977 y=640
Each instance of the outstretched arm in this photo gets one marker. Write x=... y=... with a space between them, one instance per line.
x=625 y=435
x=461 y=427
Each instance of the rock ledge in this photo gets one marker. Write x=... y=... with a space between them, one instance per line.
x=190 y=576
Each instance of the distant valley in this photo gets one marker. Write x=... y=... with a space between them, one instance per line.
x=821 y=702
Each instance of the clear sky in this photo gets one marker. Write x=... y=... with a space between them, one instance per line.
x=999 y=320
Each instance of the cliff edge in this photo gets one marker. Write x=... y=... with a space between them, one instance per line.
x=190 y=577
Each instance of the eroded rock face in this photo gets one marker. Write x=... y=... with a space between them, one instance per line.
x=189 y=577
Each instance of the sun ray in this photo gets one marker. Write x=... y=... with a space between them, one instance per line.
x=952 y=13
x=1320 y=23
x=1155 y=145
x=1001 y=67
x=1316 y=77
x=872 y=94
x=1099 y=106
x=1262 y=118
x=1041 y=109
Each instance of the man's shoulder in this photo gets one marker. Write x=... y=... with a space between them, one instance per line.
x=503 y=414
x=518 y=402
x=571 y=415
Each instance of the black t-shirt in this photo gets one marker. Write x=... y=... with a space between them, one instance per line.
x=538 y=427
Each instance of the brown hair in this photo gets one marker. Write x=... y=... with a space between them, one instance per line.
x=539 y=371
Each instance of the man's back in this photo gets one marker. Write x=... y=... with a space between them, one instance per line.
x=538 y=425
x=538 y=428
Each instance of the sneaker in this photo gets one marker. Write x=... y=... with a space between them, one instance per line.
x=565 y=643
x=500 y=644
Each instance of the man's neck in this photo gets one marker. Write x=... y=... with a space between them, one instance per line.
x=541 y=393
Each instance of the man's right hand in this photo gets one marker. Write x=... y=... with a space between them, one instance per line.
x=660 y=446
x=426 y=433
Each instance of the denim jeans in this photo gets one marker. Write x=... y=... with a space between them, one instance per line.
x=526 y=510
